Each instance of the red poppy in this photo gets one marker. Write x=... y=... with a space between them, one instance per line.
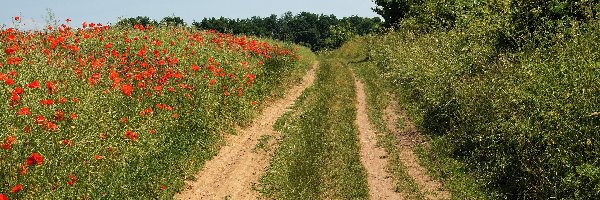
x=52 y=88
x=46 y=102
x=19 y=90
x=51 y=126
x=73 y=116
x=195 y=68
x=16 y=188
x=34 y=84
x=35 y=158
x=67 y=142
x=254 y=103
x=98 y=157
x=39 y=120
x=132 y=135
x=212 y=82
x=62 y=100
x=23 y=111
x=8 y=142
x=68 y=20
x=126 y=89
x=72 y=179
x=9 y=81
x=17 y=18
x=59 y=115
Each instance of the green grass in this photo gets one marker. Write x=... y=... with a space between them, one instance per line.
x=318 y=155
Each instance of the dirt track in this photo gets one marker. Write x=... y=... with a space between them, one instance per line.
x=233 y=172
x=373 y=158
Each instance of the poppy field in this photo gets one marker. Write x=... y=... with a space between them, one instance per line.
x=100 y=112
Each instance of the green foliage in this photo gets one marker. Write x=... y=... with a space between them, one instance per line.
x=172 y=21
x=139 y=20
x=510 y=88
x=393 y=11
x=318 y=32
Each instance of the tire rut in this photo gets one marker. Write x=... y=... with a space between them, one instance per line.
x=236 y=168
x=373 y=158
x=408 y=138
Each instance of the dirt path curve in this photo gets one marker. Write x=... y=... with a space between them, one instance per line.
x=407 y=140
x=232 y=173
x=373 y=158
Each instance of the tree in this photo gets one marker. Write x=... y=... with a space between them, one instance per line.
x=393 y=11
x=172 y=21
x=139 y=20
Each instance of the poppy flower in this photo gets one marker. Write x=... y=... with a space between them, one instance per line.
x=195 y=68
x=3 y=197
x=254 y=103
x=72 y=179
x=8 y=142
x=35 y=158
x=47 y=102
x=62 y=100
x=17 y=18
x=34 y=84
x=16 y=188
x=52 y=88
x=23 y=111
x=132 y=135
x=9 y=81
x=39 y=120
x=126 y=89
x=212 y=82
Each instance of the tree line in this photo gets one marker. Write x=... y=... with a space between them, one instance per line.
x=316 y=31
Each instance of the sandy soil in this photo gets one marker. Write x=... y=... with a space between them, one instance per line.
x=373 y=158
x=237 y=168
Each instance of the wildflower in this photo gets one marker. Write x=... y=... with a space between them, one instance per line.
x=3 y=197
x=39 y=120
x=9 y=81
x=126 y=89
x=17 y=18
x=8 y=142
x=131 y=135
x=52 y=88
x=72 y=179
x=47 y=102
x=254 y=103
x=16 y=188
x=34 y=84
x=67 y=142
x=23 y=111
x=35 y=158
x=195 y=68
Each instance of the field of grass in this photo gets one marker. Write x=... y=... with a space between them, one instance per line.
x=107 y=113
x=318 y=154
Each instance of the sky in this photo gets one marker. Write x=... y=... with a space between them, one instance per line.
x=34 y=13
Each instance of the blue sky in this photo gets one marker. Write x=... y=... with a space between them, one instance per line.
x=33 y=12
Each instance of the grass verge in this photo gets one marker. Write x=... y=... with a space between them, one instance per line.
x=318 y=153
